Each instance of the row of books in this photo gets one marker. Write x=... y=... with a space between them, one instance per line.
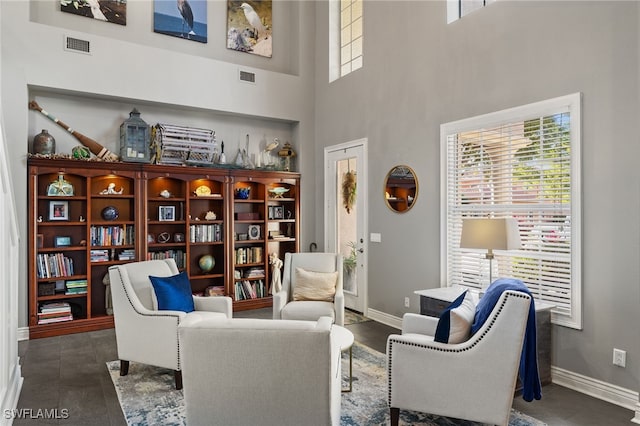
x=205 y=233
x=249 y=289
x=127 y=254
x=245 y=255
x=54 y=265
x=75 y=287
x=178 y=255
x=54 y=312
x=112 y=235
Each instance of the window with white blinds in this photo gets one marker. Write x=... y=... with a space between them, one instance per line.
x=522 y=163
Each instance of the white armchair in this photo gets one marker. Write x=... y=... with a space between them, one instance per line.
x=474 y=380
x=285 y=307
x=260 y=372
x=143 y=333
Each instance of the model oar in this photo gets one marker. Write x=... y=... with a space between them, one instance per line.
x=97 y=149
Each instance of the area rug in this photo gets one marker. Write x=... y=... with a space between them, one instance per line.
x=148 y=397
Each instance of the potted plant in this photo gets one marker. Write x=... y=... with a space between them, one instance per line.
x=349 y=264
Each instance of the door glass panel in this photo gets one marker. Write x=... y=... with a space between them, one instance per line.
x=346 y=215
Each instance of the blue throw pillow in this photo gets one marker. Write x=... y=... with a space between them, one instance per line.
x=173 y=293
x=454 y=325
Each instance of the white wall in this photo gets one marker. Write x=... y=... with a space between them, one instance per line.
x=129 y=67
x=420 y=72
x=10 y=373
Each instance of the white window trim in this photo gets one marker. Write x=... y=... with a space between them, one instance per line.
x=526 y=112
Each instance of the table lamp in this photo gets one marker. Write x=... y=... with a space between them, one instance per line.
x=490 y=234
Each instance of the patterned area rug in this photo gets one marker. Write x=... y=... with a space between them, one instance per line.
x=148 y=397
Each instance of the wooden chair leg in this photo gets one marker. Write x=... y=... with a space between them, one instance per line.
x=395 y=416
x=124 y=367
x=178 y=375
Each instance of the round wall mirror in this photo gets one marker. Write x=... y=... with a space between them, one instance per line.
x=401 y=188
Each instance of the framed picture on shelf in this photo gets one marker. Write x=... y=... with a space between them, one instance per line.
x=167 y=213
x=278 y=212
x=61 y=241
x=58 y=210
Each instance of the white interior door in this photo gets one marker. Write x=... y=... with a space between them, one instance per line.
x=345 y=216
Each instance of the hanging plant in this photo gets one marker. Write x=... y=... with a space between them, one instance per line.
x=349 y=190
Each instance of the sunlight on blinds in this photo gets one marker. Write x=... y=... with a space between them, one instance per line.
x=520 y=169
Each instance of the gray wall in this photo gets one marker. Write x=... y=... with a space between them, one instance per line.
x=420 y=72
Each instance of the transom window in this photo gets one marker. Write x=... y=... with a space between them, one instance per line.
x=456 y=9
x=521 y=163
x=346 y=37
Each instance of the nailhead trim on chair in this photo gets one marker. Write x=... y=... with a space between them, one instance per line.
x=124 y=287
x=466 y=348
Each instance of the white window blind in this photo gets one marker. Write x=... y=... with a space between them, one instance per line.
x=521 y=163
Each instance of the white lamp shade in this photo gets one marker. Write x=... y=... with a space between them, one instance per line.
x=491 y=234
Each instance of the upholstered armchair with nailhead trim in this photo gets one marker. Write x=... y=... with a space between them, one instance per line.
x=145 y=334
x=473 y=380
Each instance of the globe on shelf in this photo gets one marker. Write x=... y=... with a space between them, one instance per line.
x=110 y=213
x=206 y=263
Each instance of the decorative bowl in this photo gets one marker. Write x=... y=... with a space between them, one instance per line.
x=278 y=191
x=242 y=193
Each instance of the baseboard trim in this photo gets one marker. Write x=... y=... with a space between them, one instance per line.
x=23 y=333
x=385 y=318
x=636 y=419
x=12 y=394
x=608 y=392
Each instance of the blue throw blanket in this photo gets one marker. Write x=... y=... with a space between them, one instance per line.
x=529 y=358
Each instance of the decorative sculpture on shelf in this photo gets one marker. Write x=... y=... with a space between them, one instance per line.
x=276 y=265
x=111 y=190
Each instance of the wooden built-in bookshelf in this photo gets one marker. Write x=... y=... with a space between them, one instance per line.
x=160 y=211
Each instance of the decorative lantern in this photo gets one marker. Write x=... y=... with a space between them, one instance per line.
x=134 y=139
x=286 y=153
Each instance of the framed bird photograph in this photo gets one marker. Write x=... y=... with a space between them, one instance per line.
x=185 y=19
x=114 y=11
x=249 y=27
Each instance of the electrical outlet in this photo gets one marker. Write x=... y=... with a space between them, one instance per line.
x=407 y=302
x=619 y=357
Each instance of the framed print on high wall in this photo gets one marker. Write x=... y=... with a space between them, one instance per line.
x=58 y=210
x=114 y=11
x=249 y=27
x=185 y=19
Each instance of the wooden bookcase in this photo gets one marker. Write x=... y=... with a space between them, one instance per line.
x=153 y=211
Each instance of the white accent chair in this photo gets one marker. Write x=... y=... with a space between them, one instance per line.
x=474 y=380
x=284 y=307
x=260 y=372
x=143 y=333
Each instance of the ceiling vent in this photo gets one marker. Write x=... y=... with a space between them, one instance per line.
x=77 y=45
x=248 y=77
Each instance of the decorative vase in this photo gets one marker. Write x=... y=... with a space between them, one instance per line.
x=110 y=213
x=44 y=143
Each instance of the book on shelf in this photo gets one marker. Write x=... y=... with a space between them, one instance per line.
x=54 y=312
x=76 y=287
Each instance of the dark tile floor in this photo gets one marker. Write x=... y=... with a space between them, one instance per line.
x=69 y=372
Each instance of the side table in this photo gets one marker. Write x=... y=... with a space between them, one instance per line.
x=345 y=339
x=433 y=301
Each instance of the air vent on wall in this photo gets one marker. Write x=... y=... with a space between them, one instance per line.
x=76 y=45
x=248 y=77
